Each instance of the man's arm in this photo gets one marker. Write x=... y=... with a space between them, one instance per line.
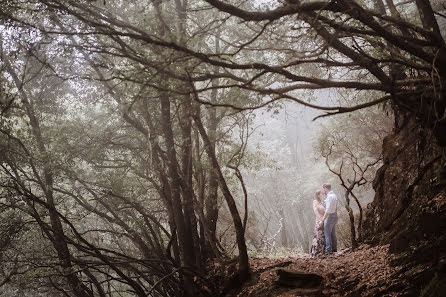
x=325 y=216
x=321 y=223
x=327 y=206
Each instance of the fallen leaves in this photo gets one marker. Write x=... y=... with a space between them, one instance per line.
x=357 y=273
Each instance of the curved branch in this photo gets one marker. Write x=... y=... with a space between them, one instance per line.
x=287 y=9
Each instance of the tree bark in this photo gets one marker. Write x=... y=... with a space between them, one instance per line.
x=211 y=201
x=283 y=231
x=187 y=189
x=352 y=219
x=428 y=20
x=360 y=219
x=244 y=270
x=184 y=239
x=305 y=235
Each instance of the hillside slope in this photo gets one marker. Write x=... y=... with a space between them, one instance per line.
x=367 y=271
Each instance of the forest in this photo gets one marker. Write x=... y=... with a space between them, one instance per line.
x=174 y=147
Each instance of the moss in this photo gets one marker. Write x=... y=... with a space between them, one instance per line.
x=436 y=287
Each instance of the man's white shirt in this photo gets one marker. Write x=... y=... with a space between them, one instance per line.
x=331 y=203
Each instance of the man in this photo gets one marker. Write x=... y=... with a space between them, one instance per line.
x=330 y=219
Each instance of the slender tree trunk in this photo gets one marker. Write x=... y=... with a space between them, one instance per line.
x=164 y=192
x=200 y=179
x=189 y=213
x=185 y=123
x=393 y=11
x=184 y=238
x=379 y=6
x=300 y=233
x=208 y=245
x=243 y=253
x=283 y=231
x=305 y=234
x=58 y=235
x=352 y=219
x=430 y=23
x=212 y=198
x=428 y=20
x=359 y=237
x=211 y=201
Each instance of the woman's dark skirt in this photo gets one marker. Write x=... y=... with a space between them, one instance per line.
x=318 y=243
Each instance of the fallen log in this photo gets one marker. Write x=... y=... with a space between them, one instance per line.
x=302 y=284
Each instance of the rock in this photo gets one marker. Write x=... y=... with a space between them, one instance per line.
x=302 y=292
x=290 y=278
x=432 y=224
x=399 y=243
x=408 y=189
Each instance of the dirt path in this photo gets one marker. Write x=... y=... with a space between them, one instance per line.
x=363 y=272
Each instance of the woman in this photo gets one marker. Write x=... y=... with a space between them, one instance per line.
x=318 y=244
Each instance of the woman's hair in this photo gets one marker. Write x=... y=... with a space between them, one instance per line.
x=316 y=196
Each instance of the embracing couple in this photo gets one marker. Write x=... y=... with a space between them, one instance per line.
x=325 y=205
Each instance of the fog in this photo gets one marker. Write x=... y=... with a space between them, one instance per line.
x=143 y=142
x=284 y=173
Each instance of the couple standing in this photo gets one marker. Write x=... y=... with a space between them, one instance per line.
x=325 y=205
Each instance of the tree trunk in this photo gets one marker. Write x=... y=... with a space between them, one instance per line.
x=243 y=253
x=352 y=220
x=184 y=238
x=379 y=6
x=429 y=22
x=208 y=240
x=283 y=231
x=58 y=236
x=189 y=213
x=211 y=201
x=164 y=191
x=360 y=219
x=305 y=235
x=300 y=233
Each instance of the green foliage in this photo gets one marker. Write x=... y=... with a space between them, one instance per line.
x=86 y=157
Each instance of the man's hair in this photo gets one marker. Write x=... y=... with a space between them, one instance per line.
x=326 y=186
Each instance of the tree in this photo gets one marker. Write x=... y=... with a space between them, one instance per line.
x=351 y=149
x=155 y=67
x=118 y=174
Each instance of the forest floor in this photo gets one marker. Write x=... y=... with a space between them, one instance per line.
x=367 y=271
